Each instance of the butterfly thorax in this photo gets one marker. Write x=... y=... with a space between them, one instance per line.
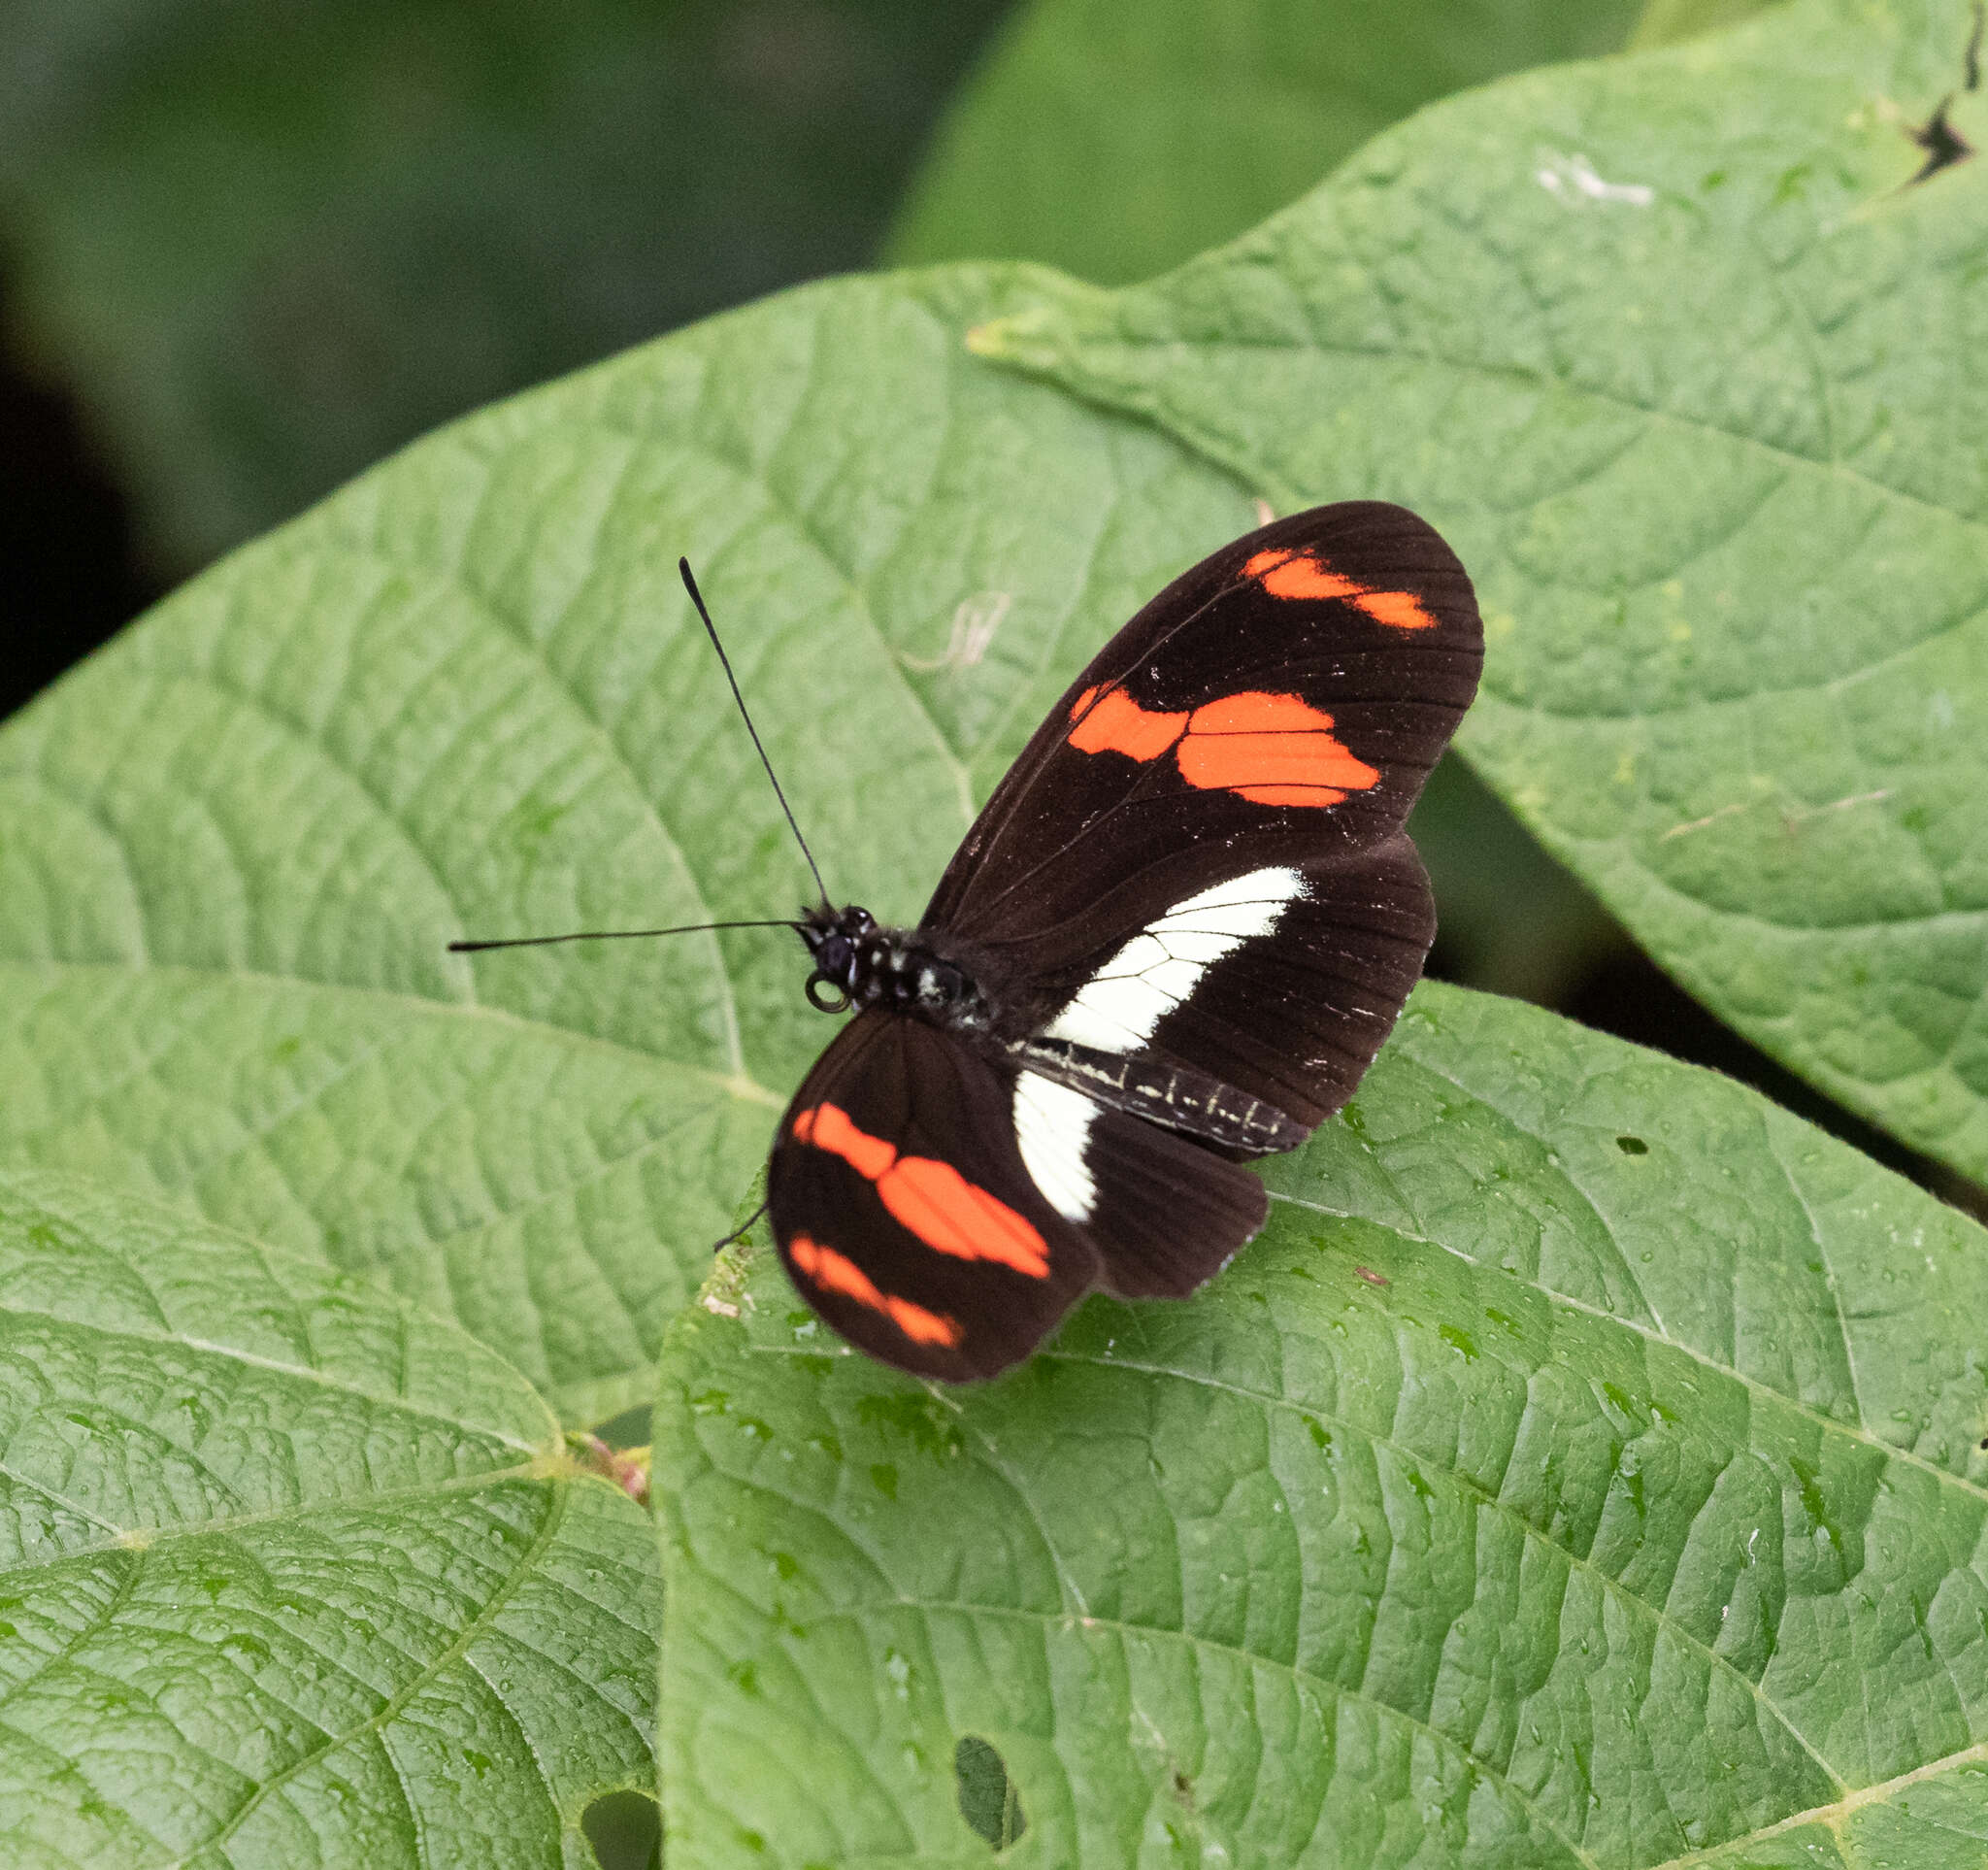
x=860 y=964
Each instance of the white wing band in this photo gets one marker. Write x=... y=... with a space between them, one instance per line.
x=1052 y=1123
x=1121 y=1005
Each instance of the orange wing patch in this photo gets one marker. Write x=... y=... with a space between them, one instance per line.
x=1271 y=749
x=834 y=1272
x=930 y=1198
x=1118 y=725
x=1296 y=573
x=828 y=1127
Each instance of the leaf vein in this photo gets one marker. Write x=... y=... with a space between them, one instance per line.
x=1338 y=1690
x=378 y=1723
x=1578 y=1561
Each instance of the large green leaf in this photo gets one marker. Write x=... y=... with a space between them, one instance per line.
x=1696 y=381
x=467 y=696
x=264 y=245
x=1582 y=1470
x=288 y=1573
x=1116 y=138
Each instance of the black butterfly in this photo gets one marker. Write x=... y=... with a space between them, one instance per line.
x=1175 y=939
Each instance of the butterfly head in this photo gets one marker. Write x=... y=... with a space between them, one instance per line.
x=859 y=963
x=839 y=940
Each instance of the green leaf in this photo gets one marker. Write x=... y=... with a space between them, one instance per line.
x=525 y=1180
x=267 y=245
x=288 y=1573
x=467 y=695
x=1693 y=380
x=1580 y=1470
x=1116 y=138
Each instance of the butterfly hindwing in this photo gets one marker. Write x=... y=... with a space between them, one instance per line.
x=1163 y=1214
x=1199 y=855
x=903 y=1211
x=1282 y=981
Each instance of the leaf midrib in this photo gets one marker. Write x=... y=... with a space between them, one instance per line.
x=1079 y=1620
x=398 y=1405
x=1716 y=706
x=206 y=678
x=1830 y=1815
x=1834 y=1814
x=1258 y=471
x=135 y=1541
x=458 y=1649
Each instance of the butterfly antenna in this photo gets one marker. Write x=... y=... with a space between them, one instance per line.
x=711 y=630
x=606 y=935
x=741 y=1231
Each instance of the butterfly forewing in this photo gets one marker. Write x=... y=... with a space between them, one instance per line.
x=1199 y=853
x=904 y=1211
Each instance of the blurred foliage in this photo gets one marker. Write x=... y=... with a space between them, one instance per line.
x=269 y=243
x=1665 y=22
x=1117 y=138
x=1510 y=918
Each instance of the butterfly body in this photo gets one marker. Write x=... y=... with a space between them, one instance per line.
x=901 y=970
x=921 y=975
x=1175 y=938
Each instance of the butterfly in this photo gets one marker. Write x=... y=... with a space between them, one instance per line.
x=1172 y=942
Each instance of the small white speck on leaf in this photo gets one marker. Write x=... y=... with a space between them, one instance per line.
x=1572 y=179
x=974 y=624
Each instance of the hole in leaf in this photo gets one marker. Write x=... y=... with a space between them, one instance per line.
x=1945 y=145
x=1632 y=1146
x=625 y=1830
x=987 y=1798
